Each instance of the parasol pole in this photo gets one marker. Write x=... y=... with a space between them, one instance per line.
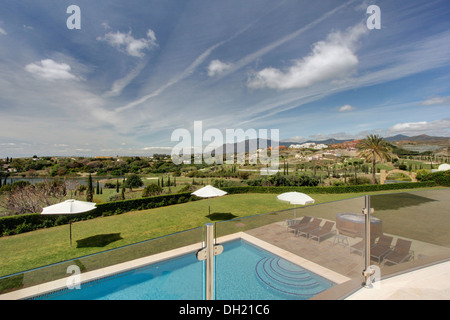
x=70 y=225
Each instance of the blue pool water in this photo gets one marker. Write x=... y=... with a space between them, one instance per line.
x=243 y=272
x=247 y=272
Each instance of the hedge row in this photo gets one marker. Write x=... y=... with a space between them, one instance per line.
x=10 y=225
x=332 y=189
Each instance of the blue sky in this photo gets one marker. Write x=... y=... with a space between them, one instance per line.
x=137 y=70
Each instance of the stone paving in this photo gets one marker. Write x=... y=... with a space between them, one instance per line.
x=326 y=253
x=396 y=221
x=332 y=253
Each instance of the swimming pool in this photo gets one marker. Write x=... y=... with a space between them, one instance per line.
x=243 y=272
x=246 y=272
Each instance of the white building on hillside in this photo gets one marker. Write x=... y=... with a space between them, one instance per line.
x=309 y=145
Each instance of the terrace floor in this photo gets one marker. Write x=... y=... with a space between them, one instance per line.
x=338 y=258
x=332 y=256
x=430 y=283
x=422 y=214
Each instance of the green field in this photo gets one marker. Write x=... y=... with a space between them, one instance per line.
x=42 y=247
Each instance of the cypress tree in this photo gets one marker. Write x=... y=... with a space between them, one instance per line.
x=90 y=190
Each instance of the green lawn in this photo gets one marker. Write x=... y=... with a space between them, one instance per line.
x=46 y=246
x=42 y=247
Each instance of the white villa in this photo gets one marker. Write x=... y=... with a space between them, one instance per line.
x=309 y=145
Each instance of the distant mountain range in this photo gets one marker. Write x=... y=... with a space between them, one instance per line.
x=396 y=138
x=422 y=137
x=247 y=145
x=263 y=143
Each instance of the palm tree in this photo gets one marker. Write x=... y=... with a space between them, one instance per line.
x=374 y=148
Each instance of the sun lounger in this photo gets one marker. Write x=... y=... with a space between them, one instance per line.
x=360 y=246
x=313 y=225
x=400 y=253
x=291 y=222
x=322 y=231
x=304 y=222
x=381 y=248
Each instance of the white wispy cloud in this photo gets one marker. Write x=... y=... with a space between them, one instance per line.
x=217 y=67
x=49 y=69
x=122 y=83
x=333 y=58
x=437 y=101
x=230 y=67
x=437 y=127
x=270 y=47
x=397 y=62
x=126 y=43
x=298 y=139
x=185 y=73
x=3 y=32
x=346 y=108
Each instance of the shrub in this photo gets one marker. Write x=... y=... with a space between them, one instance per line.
x=133 y=181
x=115 y=197
x=151 y=190
x=109 y=185
x=186 y=188
x=441 y=177
x=279 y=180
x=243 y=175
x=337 y=183
x=359 y=181
x=221 y=183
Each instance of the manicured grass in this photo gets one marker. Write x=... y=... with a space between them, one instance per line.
x=42 y=247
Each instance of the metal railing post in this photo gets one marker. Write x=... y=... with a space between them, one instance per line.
x=207 y=253
x=367 y=272
x=209 y=242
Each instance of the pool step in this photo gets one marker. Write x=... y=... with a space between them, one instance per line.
x=287 y=278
